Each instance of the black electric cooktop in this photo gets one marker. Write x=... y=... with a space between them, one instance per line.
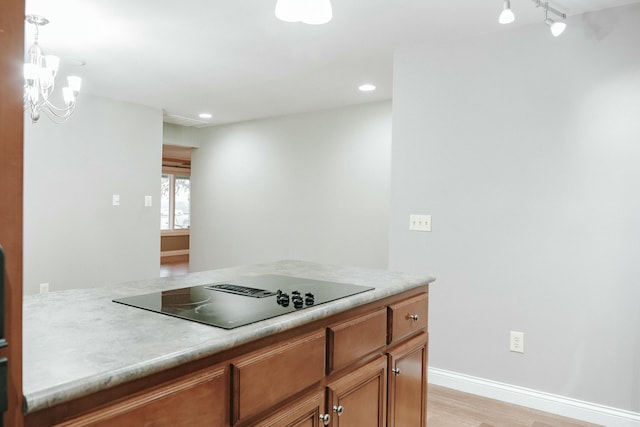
x=243 y=300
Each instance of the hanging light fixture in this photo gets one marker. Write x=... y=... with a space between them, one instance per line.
x=40 y=71
x=506 y=16
x=557 y=27
x=314 y=12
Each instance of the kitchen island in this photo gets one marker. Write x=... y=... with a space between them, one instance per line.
x=90 y=361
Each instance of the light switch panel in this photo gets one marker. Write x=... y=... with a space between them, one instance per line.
x=420 y=222
x=116 y=200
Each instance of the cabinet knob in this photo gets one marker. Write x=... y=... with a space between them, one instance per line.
x=396 y=371
x=325 y=418
x=413 y=317
x=338 y=409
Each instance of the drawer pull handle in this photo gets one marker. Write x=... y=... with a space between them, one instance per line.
x=396 y=371
x=325 y=418
x=338 y=410
x=413 y=317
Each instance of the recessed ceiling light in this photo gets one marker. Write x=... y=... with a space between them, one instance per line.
x=205 y=115
x=367 y=87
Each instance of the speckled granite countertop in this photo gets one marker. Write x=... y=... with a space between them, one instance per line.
x=78 y=341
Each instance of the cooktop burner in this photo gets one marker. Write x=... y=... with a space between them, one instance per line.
x=243 y=300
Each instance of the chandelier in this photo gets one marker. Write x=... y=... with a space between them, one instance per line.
x=315 y=12
x=40 y=71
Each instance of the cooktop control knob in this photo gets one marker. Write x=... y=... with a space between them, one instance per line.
x=296 y=299
x=309 y=299
x=282 y=298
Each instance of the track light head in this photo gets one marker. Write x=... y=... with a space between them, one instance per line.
x=557 y=27
x=506 y=16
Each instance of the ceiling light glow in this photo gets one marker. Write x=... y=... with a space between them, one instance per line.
x=314 y=12
x=367 y=87
x=205 y=115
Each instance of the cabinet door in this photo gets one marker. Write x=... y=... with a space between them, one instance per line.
x=359 y=398
x=408 y=383
x=197 y=400
x=303 y=413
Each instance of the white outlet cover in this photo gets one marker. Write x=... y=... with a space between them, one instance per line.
x=116 y=200
x=516 y=342
x=148 y=201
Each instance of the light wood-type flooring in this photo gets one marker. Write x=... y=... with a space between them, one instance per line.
x=452 y=408
x=174 y=269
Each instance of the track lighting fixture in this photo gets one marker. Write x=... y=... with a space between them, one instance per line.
x=506 y=17
x=557 y=27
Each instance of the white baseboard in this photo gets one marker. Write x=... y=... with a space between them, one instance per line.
x=559 y=405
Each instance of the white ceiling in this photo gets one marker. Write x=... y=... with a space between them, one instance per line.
x=236 y=60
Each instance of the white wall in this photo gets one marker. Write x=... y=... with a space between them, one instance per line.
x=525 y=149
x=182 y=136
x=73 y=236
x=311 y=186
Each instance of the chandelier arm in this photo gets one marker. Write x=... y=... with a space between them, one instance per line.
x=49 y=104
x=60 y=114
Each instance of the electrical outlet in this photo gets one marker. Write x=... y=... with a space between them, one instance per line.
x=516 y=343
x=420 y=222
x=44 y=288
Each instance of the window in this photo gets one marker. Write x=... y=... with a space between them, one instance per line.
x=175 y=202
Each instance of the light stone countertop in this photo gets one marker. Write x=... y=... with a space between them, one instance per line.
x=78 y=341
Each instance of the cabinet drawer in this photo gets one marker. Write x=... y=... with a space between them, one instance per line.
x=199 y=399
x=408 y=316
x=267 y=377
x=351 y=340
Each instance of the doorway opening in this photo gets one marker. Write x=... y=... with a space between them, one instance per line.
x=175 y=209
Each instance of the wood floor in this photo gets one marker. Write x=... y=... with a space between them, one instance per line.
x=174 y=269
x=452 y=408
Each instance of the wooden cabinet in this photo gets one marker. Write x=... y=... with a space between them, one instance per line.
x=407 y=317
x=367 y=367
x=408 y=383
x=303 y=413
x=199 y=399
x=267 y=377
x=360 y=398
x=350 y=341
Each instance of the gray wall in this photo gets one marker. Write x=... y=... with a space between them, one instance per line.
x=525 y=149
x=73 y=236
x=311 y=186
